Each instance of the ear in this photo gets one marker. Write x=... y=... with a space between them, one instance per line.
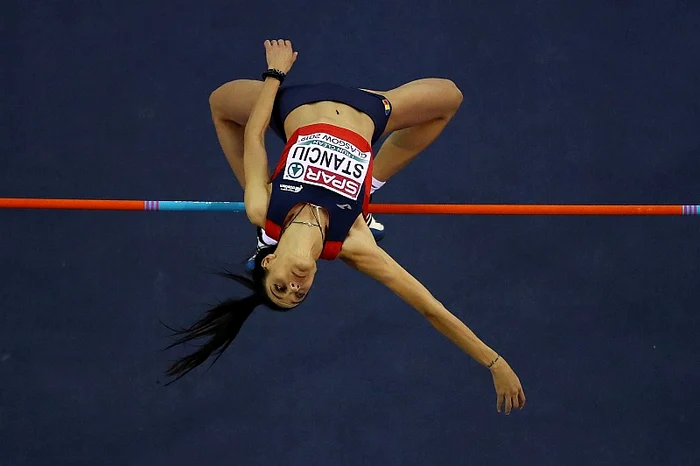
x=267 y=260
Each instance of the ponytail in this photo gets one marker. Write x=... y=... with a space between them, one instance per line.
x=222 y=322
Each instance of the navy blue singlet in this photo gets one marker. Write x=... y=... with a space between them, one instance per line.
x=330 y=167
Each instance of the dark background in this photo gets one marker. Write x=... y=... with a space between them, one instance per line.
x=587 y=102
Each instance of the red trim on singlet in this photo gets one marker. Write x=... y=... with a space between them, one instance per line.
x=273 y=230
x=331 y=249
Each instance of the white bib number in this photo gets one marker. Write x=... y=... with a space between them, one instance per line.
x=327 y=161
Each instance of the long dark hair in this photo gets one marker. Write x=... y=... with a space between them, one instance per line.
x=222 y=322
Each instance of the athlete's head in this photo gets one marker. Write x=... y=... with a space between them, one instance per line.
x=223 y=322
x=287 y=277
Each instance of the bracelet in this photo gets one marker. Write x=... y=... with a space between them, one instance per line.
x=273 y=73
x=498 y=356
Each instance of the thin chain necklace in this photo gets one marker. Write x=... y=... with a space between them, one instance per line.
x=310 y=224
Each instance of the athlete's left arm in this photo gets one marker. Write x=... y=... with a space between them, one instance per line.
x=363 y=254
x=280 y=56
x=256 y=194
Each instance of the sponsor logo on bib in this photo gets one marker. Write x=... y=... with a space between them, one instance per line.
x=324 y=160
x=295 y=170
x=290 y=188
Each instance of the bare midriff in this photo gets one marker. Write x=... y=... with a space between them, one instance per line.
x=333 y=113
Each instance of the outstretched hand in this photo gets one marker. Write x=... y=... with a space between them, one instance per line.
x=280 y=55
x=509 y=391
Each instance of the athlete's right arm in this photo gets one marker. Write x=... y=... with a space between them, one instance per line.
x=362 y=253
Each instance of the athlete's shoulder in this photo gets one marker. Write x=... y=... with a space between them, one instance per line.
x=359 y=242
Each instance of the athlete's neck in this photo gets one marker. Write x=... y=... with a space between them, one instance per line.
x=302 y=237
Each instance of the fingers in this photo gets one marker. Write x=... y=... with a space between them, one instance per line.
x=515 y=401
x=279 y=54
x=510 y=401
x=278 y=43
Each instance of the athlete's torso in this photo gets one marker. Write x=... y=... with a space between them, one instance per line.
x=334 y=113
x=324 y=165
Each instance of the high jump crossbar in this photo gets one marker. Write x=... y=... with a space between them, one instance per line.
x=431 y=209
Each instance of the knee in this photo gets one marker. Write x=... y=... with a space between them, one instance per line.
x=453 y=95
x=234 y=100
x=222 y=102
x=215 y=99
x=220 y=93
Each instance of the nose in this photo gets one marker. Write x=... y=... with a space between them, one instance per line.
x=294 y=286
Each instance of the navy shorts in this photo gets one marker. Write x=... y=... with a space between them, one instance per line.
x=377 y=107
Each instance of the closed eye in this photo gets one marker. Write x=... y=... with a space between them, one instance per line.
x=281 y=289
x=273 y=291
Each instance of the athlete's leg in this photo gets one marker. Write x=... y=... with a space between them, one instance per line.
x=420 y=111
x=231 y=105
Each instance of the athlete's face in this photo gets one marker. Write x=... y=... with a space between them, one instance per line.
x=288 y=279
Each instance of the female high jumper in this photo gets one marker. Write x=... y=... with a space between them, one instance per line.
x=315 y=204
